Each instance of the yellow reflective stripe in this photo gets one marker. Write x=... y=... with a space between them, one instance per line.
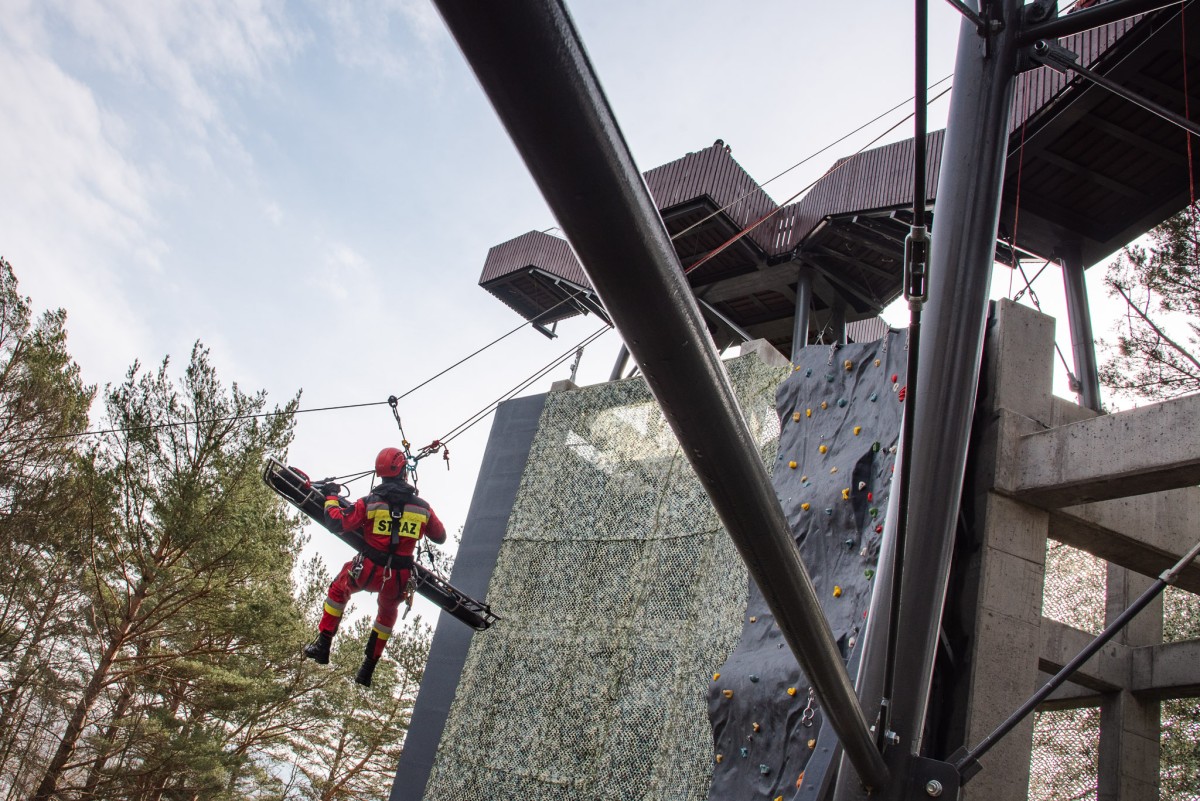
x=331 y=502
x=333 y=610
x=381 y=631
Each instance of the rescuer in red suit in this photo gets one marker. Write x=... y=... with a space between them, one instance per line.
x=391 y=519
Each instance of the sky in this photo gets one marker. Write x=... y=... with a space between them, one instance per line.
x=310 y=188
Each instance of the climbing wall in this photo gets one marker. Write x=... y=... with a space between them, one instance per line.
x=840 y=412
x=620 y=595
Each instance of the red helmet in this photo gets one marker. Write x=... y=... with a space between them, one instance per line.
x=390 y=462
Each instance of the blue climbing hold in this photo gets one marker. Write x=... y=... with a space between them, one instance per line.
x=874 y=397
x=808 y=372
x=754 y=678
x=745 y=752
x=829 y=378
x=842 y=402
x=828 y=510
x=764 y=769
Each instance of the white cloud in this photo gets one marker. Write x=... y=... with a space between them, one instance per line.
x=273 y=213
x=367 y=34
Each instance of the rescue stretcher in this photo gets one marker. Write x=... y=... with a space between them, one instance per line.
x=297 y=489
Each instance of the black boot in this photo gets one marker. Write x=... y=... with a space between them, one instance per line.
x=365 y=671
x=318 y=650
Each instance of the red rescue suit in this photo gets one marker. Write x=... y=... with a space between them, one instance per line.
x=392 y=519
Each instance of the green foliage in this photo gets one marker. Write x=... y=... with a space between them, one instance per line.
x=150 y=623
x=1158 y=339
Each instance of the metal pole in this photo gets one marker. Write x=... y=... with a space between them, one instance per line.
x=965 y=762
x=952 y=343
x=837 y=320
x=531 y=63
x=803 y=312
x=619 y=366
x=1079 y=320
x=1057 y=57
x=1088 y=18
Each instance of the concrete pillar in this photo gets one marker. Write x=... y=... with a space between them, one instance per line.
x=1008 y=566
x=1079 y=318
x=803 y=312
x=1129 y=725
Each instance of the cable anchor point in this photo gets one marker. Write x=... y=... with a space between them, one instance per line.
x=916 y=265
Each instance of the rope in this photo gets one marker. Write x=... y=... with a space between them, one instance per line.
x=727 y=243
x=1020 y=169
x=1071 y=377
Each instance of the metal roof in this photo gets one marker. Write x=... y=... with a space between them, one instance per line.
x=1095 y=172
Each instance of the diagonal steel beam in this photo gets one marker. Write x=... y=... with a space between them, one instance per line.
x=532 y=65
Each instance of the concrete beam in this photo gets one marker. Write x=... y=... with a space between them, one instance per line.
x=1146 y=534
x=777 y=278
x=1107 y=671
x=1171 y=670
x=1135 y=452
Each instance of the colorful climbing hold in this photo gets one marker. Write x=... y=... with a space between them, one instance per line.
x=805 y=506
x=879 y=528
x=795 y=417
x=822 y=449
x=756 y=726
x=808 y=372
x=754 y=680
x=833 y=470
x=873 y=512
x=846 y=494
x=837 y=591
x=792 y=464
x=849 y=543
x=719 y=757
x=861 y=485
x=877 y=362
x=869 y=573
x=791 y=690
x=745 y=752
x=764 y=769
x=870 y=496
x=828 y=510
x=903 y=391
x=841 y=403
x=875 y=447
x=895 y=378
x=808 y=412
x=829 y=378
x=849 y=365
x=812 y=744
x=799 y=781
x=824 y=405
x=804 y=478
x=727 y=693
x=857 y=430
x=873 y=397
x=754 y=618
x=716 y=676
x=851 y=642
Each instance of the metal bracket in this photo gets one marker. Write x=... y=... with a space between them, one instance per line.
x=931 y=778
x=916 y=265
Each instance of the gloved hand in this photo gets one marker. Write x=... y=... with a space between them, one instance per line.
x=330 y=488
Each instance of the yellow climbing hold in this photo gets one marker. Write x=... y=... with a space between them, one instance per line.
x=812 y=744
x=805 y=506
x=716 y=676
x=756 y=726
x=824 y=405
x=833 y=470
x=849 y=365
x=795 y=417
x=823 y=448
x=808 y=412
x=727 y=693
x=792 y=464
x=791 y=690
x=804 y=478
x=846 y=494
x=778 y=798
x=837 y=591
x=876 y=364
x=857 y=430
x=722 y=756
x=753 y=618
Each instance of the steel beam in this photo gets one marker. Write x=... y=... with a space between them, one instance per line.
x=532 y=65
x=960 y=267
x=1079 y=320
x=803 y=312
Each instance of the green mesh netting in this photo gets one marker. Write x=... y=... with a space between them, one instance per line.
x=620 y=594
